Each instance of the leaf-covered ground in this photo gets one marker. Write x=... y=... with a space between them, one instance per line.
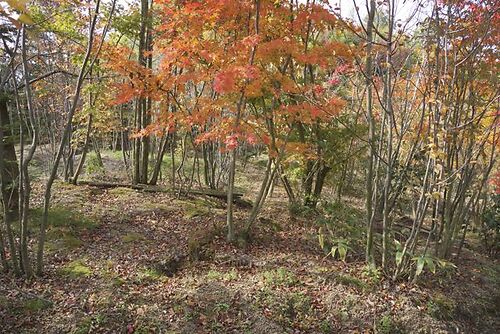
x=115 y=264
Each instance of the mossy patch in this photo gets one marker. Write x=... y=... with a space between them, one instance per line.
x=150 y=274
x=36 y=304
x=290 y=309
x=215 y=275
x=351 y=281
x=121 y=192
x=133 y=237
x=24 y=306
x=280 y=277
x=4 y=303
x=60 y=239
x=61 y=221
x=76 y=269
x=64 y=217
x=194 y=210
x=441 y=307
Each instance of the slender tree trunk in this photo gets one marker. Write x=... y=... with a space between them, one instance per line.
x=159 y=160
x=53 y=172
x=86 y=144
x=10 y=170
x=371 y=134
x=7 y=183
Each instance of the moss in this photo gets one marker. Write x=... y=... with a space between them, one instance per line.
x=441 y=307
x=352 y=281
x=118 y=281
x=62 y=221
x=292 y=309
x=280 y=276
x=121 y=191
x=76 y=269
x=192 y=211
x=150 y=274
x=64 y=217
x=58 y=239
x=36 y=304
x=215 y=275
x=133 y=237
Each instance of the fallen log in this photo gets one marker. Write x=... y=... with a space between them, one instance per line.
x=150 y=188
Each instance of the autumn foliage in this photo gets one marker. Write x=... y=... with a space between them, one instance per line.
x=212 y=62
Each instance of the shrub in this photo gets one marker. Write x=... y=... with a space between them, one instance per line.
x=341 y=229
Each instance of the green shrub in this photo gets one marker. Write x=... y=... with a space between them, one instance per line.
x=93 y=165
x=341 y=230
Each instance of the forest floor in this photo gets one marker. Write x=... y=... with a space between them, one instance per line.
x=109 y=269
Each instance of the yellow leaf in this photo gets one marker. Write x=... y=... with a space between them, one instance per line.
x=26 y=19
x=436 y=195
x=20 y=5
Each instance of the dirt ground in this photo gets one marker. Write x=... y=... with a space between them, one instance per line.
x=124 y=261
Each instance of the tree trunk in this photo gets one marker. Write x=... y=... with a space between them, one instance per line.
x=79 y=168
x=10 y=169
x=7 y=182
x=159 y=160
x=371 y=134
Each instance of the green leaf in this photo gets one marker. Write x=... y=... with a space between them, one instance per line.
x=342 y=252
x=321 y=238
x=420 y=265
x=399 y=258
x=333 y=251
x=430 y=264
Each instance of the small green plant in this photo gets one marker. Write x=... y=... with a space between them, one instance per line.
x=387 y=325
x=326 y=327
x=372 y=273
x=221 y=308
x=340 y=230
x=332 y=246
x=430 y=262
x=88 y=323
x=299 y=210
